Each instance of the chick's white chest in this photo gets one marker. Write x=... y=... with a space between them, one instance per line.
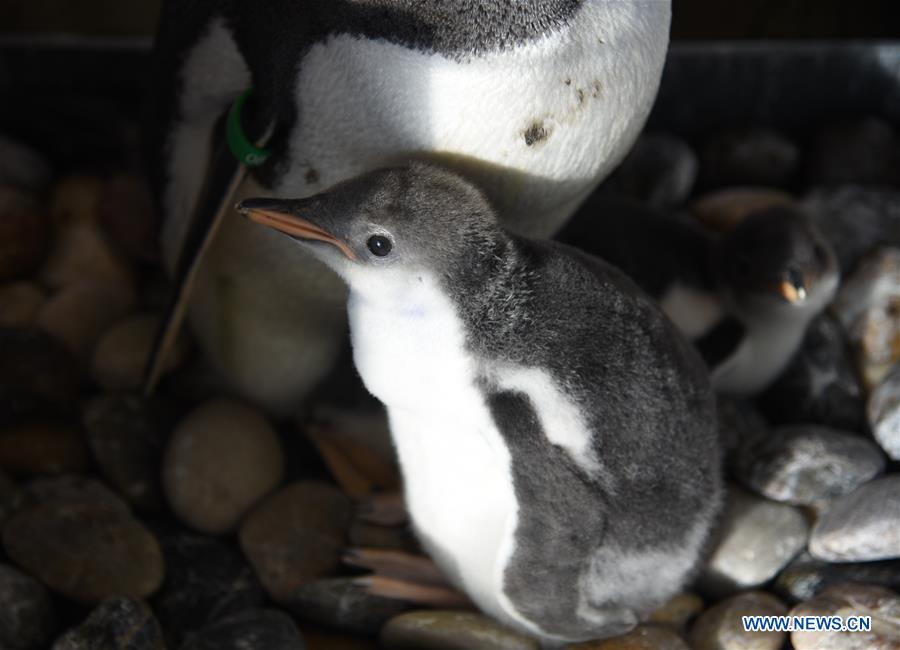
x=456 y=467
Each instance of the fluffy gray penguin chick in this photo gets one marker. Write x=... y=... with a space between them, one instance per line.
x=744 y=297
x=556 y=434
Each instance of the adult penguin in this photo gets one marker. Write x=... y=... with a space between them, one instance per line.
x=534 y=100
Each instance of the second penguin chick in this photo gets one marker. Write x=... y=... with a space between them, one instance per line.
x=745 y=297
x=556 y=434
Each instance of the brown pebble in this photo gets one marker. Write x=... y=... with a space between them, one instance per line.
x=19 y=303
x=71 y=489
x=79 y=313
x=31 y=361
x=23 y=233
x=221 y=459
x=296 y=535
x=326 y=639
x=721 y=626
x=74 y=201
x=120 y=357
x=845 y=600
x=81 y=254
x=451 y=630
x=126 y=434
x=42 y=447
x=80 y=251
x=643 y=637
x=679 y=610
x=118 y=623
x=85 y=552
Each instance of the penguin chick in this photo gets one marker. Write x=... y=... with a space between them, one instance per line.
x=555 y=432
x=745 y=297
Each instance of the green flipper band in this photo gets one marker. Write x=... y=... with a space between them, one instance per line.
x=244 y=150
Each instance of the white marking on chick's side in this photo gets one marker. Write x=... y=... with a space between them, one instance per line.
x=559 y=418
x=409 y=347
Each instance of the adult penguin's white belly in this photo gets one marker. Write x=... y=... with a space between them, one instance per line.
x=537 y=126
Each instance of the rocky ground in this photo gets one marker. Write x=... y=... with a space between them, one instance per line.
x=191 y=521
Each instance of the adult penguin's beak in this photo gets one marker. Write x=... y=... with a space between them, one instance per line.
x=294 y=217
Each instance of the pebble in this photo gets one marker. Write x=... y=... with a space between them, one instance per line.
x=126 y=434
x=661 y=170
x=643 y=637
x=678 y=611
x=338 y=602
x=79 y=313
x=41 y=445
x=125 y=210
x=327 y=639
x=221 y=459
x=206 y=580
x=821 y=384
x=20 y=303
x=884 y=413
x=805 y=464
x=254 y=629
x=721 y=626
x=855 y=220
x=296 y=535
x=868 y=306
x=722 y=210
x=450 y=630
x=74 y=200
x=71 y=489
x=85 y=552
x=33 y=362
x=27 y=619
x=806 y=577
x=22 y=166
x=118 y=623
x=755 y=539
x=862 y=526
x=23 y=233
x=755 y=156
x=865 y=151
x=80 y=251
x=121 y=356
x=846 y=600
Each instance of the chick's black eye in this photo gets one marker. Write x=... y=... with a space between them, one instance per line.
x=379 y=245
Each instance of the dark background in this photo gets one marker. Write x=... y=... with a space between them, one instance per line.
x=693 y=19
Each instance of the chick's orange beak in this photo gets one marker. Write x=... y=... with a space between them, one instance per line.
x=270 y=213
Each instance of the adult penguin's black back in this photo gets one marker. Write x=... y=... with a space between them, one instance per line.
x=533 y=100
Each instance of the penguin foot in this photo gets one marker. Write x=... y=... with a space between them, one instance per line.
x=413 y=592
x=404 y=576
x=396 y=564
x=355 y=467
x=383 y=509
